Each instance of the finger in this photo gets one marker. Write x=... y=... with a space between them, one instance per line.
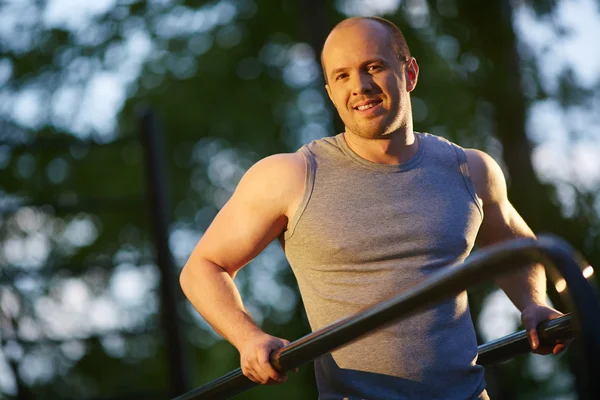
x=285 y=343
x=282 y=378
x=262 y=376
x=543 y=350
x=245 y=369
x=250 y=369
x=266 y=368
x=534 y=340
x=277 y=382
x=250 y=375
x=277 y=349
x=559 y=348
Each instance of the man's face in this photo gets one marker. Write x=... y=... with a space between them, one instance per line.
x=366 y=82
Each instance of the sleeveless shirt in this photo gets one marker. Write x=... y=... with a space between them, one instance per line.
x=366 y=231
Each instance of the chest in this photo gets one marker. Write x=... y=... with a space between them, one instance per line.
x=420 y=216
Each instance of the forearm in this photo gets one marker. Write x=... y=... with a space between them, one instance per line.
x=213 y=294
x=525 y=286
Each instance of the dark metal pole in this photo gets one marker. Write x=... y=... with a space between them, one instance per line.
x=510 y=346
x=481 y=266
x=160 y=216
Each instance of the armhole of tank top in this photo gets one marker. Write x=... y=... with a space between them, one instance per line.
x=309 y=181
x=464 y=170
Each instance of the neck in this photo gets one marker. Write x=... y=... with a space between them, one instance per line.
x=396 y=148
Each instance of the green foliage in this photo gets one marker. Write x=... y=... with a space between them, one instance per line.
x=232 y=82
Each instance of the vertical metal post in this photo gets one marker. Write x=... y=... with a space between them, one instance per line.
x=179 y=377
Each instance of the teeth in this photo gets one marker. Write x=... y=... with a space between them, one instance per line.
x=366 y=106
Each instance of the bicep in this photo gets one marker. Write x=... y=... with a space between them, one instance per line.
x=239 y=232
x=501 y=220
x=252 y=218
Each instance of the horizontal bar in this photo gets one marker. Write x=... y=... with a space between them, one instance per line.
x=450 y=281
x=493 y=352
x=510 y=346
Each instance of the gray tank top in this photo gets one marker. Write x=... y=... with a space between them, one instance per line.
x=366 y=231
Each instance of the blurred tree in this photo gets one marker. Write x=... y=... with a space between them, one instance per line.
x=233 y=81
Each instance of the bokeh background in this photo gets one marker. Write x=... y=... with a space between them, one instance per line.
x=100 y=99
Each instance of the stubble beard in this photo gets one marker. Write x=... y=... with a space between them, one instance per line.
x=365 y=132
x=373 y=129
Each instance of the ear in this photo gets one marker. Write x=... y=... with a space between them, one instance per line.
x=329 y=94
x=412 y=74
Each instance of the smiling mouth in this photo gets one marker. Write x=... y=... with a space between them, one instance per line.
x=368 y=106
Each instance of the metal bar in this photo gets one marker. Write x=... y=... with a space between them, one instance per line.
x=510 y=346
x=482 y=265
x=582 y=299
x=178 y=367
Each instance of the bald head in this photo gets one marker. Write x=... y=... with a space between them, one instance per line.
x=395 y=38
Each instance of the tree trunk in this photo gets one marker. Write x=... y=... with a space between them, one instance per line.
x=492 y=23
x=314 y=29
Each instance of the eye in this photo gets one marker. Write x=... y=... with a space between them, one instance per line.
x=374 y=68
x=340 y=76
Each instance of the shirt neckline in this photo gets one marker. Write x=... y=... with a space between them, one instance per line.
x=405 y=166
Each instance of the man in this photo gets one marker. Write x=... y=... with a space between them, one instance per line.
x=363 y=216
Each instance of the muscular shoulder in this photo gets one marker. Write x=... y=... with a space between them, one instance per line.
x=278 y=179
x=277 y=166
x=487 y=177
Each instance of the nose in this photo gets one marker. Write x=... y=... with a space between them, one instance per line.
x=362 y=83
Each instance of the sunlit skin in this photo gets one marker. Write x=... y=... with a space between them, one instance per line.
x=362 y=69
